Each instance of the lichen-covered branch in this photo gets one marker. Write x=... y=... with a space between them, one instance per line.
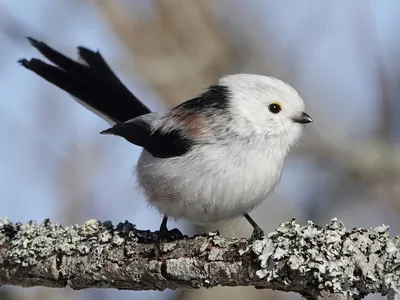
x=310 y=260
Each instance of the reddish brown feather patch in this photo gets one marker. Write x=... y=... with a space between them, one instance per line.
x=195 y=125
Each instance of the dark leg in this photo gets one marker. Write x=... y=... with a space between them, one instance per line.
x=164 y=222
x=166 y=234
x=258 y=233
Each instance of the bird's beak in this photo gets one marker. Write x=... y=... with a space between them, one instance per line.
x=302 y=119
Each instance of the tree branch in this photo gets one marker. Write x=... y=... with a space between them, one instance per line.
x=308 y=259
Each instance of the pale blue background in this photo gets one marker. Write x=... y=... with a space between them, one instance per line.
x=328 y=50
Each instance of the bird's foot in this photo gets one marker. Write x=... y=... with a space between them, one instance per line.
x=166 y=235
x=258 y=234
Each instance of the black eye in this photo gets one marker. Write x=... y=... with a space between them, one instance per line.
x=274 y=108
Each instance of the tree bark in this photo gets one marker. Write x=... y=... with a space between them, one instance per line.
x=313 y=261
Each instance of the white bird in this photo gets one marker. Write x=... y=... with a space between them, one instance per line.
x=214 y=157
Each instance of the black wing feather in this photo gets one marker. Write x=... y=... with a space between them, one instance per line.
x=157 y=143
x=95 y=84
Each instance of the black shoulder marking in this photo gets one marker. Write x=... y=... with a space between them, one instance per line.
x=95 y=83
x=159 y=144
x=215 y=98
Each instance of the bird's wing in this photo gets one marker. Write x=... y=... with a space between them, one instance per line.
x=159 y=143
x=93 y=84
x=176 y=132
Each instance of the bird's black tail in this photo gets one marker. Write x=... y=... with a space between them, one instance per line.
x=93 y=84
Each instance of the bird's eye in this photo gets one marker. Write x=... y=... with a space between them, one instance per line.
x=274 y=108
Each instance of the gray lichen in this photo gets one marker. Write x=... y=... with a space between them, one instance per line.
x=353 y=263
x=307 y=259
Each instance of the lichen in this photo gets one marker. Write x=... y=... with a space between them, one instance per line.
x=28 y=243
x=185 y=269
x=316 y=261
x=339 y=261
x=166 y=247
x=216 y=254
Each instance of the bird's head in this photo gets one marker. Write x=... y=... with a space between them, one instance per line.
x=266 y=106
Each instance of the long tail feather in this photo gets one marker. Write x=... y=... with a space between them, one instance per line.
x=93 y=84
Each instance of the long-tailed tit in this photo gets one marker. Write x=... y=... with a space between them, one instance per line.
x=214 y=157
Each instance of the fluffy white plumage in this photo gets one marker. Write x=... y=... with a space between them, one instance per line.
x=215 y=157
x=228 y=178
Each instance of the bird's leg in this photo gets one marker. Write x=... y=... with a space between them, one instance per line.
x=258 y=233
x=168 y=235
x=163 y=226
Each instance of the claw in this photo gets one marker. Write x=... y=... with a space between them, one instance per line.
x=258 y=234
x=166 y=235
x=170 y=235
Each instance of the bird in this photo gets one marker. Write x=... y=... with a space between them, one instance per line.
x=214 y=157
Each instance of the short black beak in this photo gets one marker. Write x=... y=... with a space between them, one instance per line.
x=303 y=118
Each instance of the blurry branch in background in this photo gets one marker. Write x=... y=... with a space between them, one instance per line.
x=313 y=261
x=375 y=164
x=388 y=189
x=367 y=162
x=370 y=36
x=178 y=49
x=385 y=128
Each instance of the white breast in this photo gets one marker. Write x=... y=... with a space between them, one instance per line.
x=211 y=183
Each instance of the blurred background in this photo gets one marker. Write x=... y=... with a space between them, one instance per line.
x=342 y=57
